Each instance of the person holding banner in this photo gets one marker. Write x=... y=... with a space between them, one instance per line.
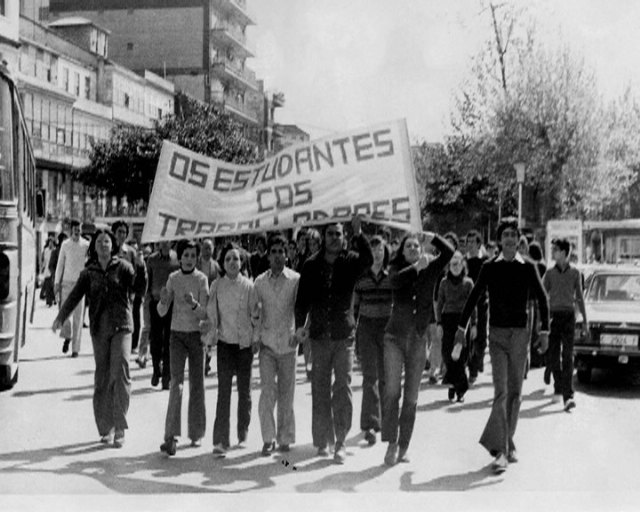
x=276 y=290
x=325 y=294
x=234 y=314
x=413 y=279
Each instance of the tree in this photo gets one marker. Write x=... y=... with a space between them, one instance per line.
x=125 y=165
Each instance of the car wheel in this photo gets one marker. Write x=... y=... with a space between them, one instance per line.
x=584 y=376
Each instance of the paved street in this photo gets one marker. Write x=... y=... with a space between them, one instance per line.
x=49 y=441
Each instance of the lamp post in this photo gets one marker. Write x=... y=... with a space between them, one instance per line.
x=520 y=168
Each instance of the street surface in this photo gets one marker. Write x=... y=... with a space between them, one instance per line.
x=49 y=443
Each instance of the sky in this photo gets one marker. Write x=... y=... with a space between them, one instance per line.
x=343 y=64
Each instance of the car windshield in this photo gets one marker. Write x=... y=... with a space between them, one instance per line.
x=614 y=287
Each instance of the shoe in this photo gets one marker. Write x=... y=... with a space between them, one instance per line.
x=142 y=363
x=557 y=398
x=500 y=464
x=74 y=354
x=118 y=439
x=169 y=446
x=433 y=379
x=107 y=438
x=547 y=376
x=569 y=405
x=323 y=452
x=196 y=443
x=155 y=379
x=219 y=451
x=460 y=399
x=452 y=395
x=65 y=346
x=512 y=458
x=242 y=444
x=402 y=454
x=391 y=457
x=370 y=437
x=166 y=384
x=472 y=380
x=427 y=366
x=340 y=454
x=284 y=448
x=268 y=449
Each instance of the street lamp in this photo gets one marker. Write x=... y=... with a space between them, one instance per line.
x=520 y=168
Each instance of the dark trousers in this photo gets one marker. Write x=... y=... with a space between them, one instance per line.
x=370 y=341
x=332 y=406
x=159 y=336
x=410 y=354
x=232 y=360
x=112 y=382
x=135 y=310
x=456 y=370
x=563 y=324
x=47 y=293
x=479 y=345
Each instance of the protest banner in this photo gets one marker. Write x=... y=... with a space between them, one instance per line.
x=367 y=171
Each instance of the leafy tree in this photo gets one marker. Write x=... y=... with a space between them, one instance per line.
x=125 y=165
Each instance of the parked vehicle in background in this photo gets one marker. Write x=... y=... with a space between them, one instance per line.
x=612 y=300
x=18 y=250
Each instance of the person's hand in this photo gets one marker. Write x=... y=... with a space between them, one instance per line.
x=302 y=334
x=139 y=259
x=457 y=350
x=474 y=332
x=461 y=337
x=293 y=340
x=422 y=263
x=543 y=342
x=57 y=325
x=188 y=298
x=427 y=237
x=164 y=295
x=356 y=224
x=440 y=331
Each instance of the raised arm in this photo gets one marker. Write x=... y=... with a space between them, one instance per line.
x=365 y=256
x=446 y=251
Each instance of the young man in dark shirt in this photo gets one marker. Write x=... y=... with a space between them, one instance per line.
x=325 y=291
x=509 y=280
x=475 y=260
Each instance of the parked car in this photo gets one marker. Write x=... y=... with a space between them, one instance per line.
x=612 y=299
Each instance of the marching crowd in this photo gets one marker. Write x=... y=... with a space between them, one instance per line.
x=424 y=303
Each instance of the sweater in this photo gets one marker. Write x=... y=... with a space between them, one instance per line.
x=183 y=317
x=510 y=285
x=564 y=287
x=108 y=291
x=452 y=296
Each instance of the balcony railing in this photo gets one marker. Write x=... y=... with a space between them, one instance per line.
x=60 y=153
x=224 y=68
x=230 y=35
x=236 y=8
x=239 y=109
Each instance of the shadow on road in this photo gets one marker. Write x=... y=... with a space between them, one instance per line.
x=483 y=477
x=154 y=473
x=623 y=383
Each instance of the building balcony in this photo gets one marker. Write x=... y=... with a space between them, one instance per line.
x=228 y=35
x=60 y=154
x=236 y=9
x=237 y=109
x=225 y=70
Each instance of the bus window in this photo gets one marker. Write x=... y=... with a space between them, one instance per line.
x=6 y=135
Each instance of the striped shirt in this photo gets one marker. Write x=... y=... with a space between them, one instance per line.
x=372 y=295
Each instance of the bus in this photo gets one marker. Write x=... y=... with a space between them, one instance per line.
x=18 y=250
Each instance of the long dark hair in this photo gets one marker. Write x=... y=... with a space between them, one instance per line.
x=399 y=261
x=93 y=255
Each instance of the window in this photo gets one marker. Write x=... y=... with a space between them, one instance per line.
x=3 y=8
x=87 y=87
x=6 y=139
x=93 y=40
x=127 y=100
x=65 y=79
x=129 y=46
x=76 y=83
